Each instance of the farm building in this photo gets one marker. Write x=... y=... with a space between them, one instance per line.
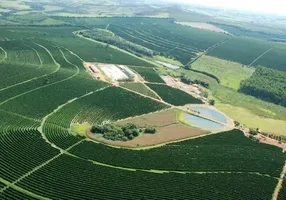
x=127 y=71
x=113 y=72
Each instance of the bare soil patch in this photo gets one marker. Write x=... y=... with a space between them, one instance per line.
x=159 y=119
x=204 y=26
x=97 y=76
x=194 y=89
x=169 y=130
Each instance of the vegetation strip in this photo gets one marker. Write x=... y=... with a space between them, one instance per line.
x=5 y=54
x=116 y=48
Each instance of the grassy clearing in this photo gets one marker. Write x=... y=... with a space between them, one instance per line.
x=180 y=118
x=80 y=129
x=260 y=108
x=167 y=60
x=252 y=120
x=229 y=73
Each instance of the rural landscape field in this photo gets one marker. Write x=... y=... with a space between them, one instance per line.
x=115 y=99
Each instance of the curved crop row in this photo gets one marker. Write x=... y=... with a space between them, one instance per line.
x=66 y=176
x=211 y=153
x=21 y=151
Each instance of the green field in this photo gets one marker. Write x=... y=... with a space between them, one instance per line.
x=229 y=73
x=250 y=51
x=141 y=88
x=173 y=96
x=47 y=96
x=269 y=89
x=148 y=74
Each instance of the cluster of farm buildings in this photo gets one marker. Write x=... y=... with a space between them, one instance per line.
x=112 y=72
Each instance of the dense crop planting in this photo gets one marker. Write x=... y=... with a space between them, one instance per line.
x=59 y=136
x=14 y=194
x=282 y=193
x=16 y=70
x=97 y=52
x=108 y=104
x=45 y=89
x=173 y=95
x=108 y=37
x=141 y=88
x=213 y=153
x=241 y=50
x=10 y=121
x=278 y=52
x=66 y=173
x=157 y=35
x=21 y=151
x=251 y=51
x=148 y=74
x=267 y=84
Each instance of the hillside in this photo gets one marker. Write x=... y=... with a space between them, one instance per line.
x=87 y=111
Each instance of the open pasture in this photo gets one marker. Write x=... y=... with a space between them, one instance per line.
x=229 y=73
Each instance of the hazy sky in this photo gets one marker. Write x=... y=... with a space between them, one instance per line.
x=266 y=6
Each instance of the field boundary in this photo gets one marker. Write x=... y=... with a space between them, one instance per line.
x=279 y=184
x=22 y=190
x=5 y=54
x=263 y=54
x=76 y=33
x=156 y=171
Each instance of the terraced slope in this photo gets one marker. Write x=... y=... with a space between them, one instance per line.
x=42 y=159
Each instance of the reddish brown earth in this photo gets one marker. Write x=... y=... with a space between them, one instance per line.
x=266 y=140
x=169 y=130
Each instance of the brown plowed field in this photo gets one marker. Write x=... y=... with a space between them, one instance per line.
x=169 y=130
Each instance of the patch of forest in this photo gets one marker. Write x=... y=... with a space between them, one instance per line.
x=266 y=84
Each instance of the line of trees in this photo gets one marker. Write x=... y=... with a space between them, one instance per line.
x=122 y=133
x=109 y=37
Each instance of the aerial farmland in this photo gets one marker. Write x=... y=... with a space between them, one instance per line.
x=117 y=100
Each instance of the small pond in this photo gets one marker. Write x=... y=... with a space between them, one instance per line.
x=209 y=113
x=202 y=123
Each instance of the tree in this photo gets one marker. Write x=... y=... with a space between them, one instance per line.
x=236 y=123
x=150 y=130
x=252 y=131
x=97 y=129
x=212 y=102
